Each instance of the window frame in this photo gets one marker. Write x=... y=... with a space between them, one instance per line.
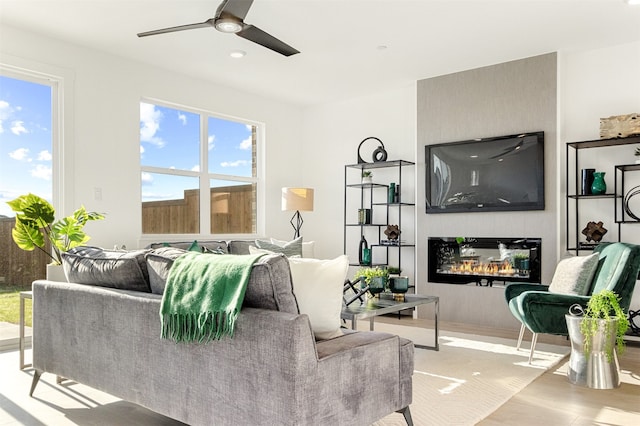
x=58 y=101
x=205 y=177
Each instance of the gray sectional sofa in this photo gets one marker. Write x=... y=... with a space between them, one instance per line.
x=272 y=372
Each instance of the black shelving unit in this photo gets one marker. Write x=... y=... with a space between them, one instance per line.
x=573 y=191
x=374 y=196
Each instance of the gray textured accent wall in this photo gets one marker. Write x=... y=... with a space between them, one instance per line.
x=503 y=99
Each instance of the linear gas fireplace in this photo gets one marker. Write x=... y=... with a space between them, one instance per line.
x=483 y=261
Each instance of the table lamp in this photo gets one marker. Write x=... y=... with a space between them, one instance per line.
x=297 y=199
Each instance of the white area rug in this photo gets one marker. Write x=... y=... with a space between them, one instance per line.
x=469 y=378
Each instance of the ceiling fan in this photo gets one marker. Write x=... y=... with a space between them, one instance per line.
x=229 y=18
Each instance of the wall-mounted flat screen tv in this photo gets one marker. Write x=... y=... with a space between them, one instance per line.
x=503 y=173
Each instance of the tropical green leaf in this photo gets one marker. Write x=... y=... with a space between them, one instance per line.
x=34 y=208
x=35 y=226
x=27 y=237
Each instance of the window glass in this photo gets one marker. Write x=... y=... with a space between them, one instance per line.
x=233 y=206
x=169 y=137
x=26 y=148
x=170 y=204
x=231 y=147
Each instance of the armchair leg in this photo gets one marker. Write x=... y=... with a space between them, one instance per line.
x=520 y=337
x=34 y=382
x=534 y=339
x=407 y=415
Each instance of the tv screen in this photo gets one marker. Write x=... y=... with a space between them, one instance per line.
x=503 y=173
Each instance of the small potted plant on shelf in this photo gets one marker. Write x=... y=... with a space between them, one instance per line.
x=37 y=228
x=376 y=278
x=366 y=176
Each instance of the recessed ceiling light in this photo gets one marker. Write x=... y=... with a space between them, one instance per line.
x=238 y=54
x=382 y=47
x=633 y=2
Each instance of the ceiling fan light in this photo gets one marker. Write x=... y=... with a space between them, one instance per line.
x=228 y=25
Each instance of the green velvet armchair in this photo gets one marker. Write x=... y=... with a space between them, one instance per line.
x=543 y=312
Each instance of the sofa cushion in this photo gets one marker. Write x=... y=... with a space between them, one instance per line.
x=125 y=270
x=159 y=262
x=289 y=249
x=240 y=246
x=205 y=246
x=574 y=275
x=318 y=285
x=270 y=285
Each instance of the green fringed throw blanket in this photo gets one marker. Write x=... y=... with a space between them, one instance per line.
x=203 y=296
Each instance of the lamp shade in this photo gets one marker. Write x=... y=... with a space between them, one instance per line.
x=297 y=199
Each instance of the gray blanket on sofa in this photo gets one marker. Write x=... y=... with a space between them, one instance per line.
x=203 y=296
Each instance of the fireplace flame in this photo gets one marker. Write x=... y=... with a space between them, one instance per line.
x=473 y=267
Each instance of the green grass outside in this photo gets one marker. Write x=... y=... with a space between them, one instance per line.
x=10 y=305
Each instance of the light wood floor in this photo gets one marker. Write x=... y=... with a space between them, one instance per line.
x=551 y=399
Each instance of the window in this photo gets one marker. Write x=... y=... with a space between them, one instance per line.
x=199 y=172
x=26 y=144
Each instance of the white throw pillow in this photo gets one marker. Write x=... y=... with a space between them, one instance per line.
x=574 y=275
x=308 y=248
x=317 y=285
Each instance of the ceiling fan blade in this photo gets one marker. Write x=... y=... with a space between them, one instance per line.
x=207 y=23
x=256 y=35
x=237 y=8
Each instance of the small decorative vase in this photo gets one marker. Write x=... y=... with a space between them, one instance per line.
x=366 y=179
x=377 y=284
x=398 y=286
x=599 y=186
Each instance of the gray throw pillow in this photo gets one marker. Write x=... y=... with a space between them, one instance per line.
x=159 y=262
x=574 y=275
x=125 y=270
x=292 y=248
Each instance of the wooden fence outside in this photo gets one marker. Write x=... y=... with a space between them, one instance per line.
x=18 y=267
x=232 y=212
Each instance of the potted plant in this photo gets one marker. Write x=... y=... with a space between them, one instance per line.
x=521 y=262
x=604 y=315
x=595 y=332
x=376 y=278
x=366 y=176
x=37 y=228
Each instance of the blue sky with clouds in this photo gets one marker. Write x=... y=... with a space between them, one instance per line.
x=25 y=141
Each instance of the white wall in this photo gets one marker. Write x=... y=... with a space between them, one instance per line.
x=104 y=140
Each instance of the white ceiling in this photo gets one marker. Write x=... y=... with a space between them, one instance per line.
x=339 y=39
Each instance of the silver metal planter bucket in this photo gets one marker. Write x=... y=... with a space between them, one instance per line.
x=595 y=371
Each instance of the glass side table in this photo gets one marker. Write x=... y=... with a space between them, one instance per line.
x=23 y=296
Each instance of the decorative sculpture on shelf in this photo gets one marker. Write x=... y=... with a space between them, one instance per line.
x=594 y=231
x=379 y=154
x=392 y=232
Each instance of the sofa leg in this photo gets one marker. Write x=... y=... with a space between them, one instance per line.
x=407 y=415
x=34 y=382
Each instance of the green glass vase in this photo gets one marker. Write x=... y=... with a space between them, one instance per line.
x=599 y=186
